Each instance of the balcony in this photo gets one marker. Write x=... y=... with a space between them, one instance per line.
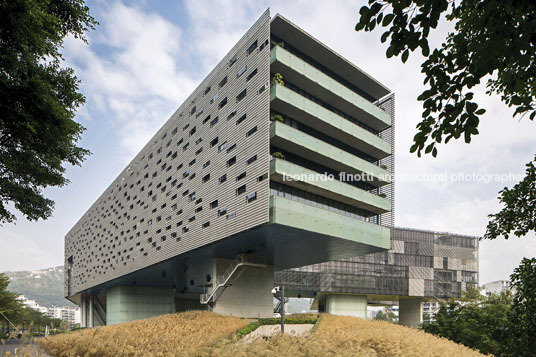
x=335 y=190
x=304 y=145
x=296 y=106
x=320 y=85
x=355 y=236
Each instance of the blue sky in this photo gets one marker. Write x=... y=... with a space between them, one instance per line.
x=147 y=56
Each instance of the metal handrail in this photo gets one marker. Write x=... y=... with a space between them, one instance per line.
x=222 y=280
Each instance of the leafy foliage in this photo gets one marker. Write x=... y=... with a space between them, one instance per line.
x=522 y=315
x=389 y=316
x=476 y=321
x=277 y=79
x=8 y=303
x=519 y=213
x=492 y=39
x=38 y=100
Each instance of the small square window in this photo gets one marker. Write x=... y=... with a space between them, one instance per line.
x=232 y=61
x=206 y=225
x=206 y=178
x=231 y=148
x=232 y=114
x=191 y=219
x=185 y=229
x=261 y=89
x=241 y=71
x=241 y=119
x=241 y=176
x=241 y=190
x=222 y=147
x=231 y=161
x=222 y=103
x=251 y=131
x=223 y=178
x=262 y=177
x=252 y=74
x=206 y=164
x=206 y=119
x=222 y=211
x=214 y=122
x=251 y=197
x=231 y=215
x=252 y=47
x=241 y=95
x=223 y=81
x=214 y=204
x=251 y=159
x=207 y=90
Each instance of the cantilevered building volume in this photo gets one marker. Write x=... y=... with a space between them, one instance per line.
x=203 y=214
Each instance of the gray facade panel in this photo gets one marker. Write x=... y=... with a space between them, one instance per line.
x=141 y=218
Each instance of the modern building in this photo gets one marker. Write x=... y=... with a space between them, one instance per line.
x=280 y=158
x=421 y=266
x=66 y=313
x=495 y=287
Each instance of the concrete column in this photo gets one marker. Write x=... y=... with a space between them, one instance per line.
x=127 y=303
x=82 y=311
x=90 y=301
x=347 y=305
x=410 y=311
x=250 y=295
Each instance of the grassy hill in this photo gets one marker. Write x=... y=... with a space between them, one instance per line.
x=44 y=286
x=198 y=333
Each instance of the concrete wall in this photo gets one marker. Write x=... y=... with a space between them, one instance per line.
x=250 y=295
x=348 y=305
x=127 y=303
x=410 y=313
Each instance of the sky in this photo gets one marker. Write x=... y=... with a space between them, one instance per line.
x=146 y=57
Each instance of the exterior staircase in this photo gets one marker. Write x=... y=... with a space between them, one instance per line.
x=231 y=274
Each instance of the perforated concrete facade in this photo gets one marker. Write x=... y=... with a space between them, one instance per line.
x=173 y=197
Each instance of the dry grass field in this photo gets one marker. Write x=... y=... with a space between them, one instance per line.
x=207 y=334
x=184 y=334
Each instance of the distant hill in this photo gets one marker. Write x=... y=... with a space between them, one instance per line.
x=45 y=286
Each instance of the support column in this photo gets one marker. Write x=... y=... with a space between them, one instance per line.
x=127 y=303
x=250 y=295
x=347 y=305
x=90 y=324
x=410 y=311
x=82 y=310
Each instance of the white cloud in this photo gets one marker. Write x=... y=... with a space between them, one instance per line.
x=132 y=71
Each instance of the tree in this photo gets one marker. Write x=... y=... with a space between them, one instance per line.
x=38 y=100
x=475 y=321
x=522 y=315
x=9 y=305
x=389 y=316
x=494 y=40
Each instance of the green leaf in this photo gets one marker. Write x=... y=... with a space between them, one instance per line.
x=480 y=111
x=387 y=19
x=405 y=55
x=389 y=52
x=384 y=37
